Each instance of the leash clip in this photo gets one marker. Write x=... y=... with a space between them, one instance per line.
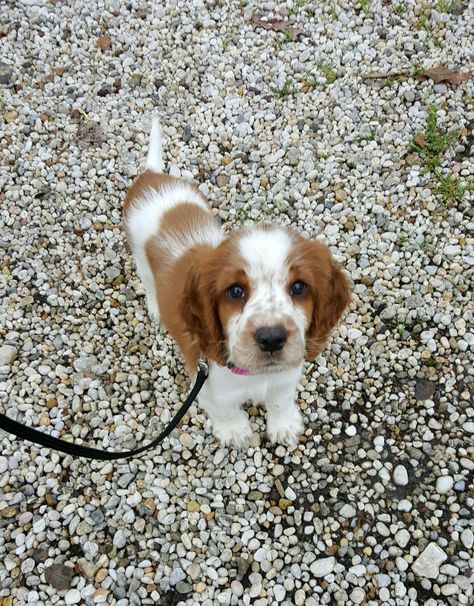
x=203 y=366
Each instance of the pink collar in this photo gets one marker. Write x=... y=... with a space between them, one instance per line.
x=239 y=371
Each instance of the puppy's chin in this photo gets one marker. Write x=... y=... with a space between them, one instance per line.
x=264 y=363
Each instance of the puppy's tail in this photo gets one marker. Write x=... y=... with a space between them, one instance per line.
x=154 y=159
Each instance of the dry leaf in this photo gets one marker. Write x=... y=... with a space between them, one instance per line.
x=278 y=25
x=420 y=140
x=59 y=71
x=441 y=73
x=104 y=42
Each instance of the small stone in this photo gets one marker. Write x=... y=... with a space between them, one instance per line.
x=7 y=354
x=449 y=589
x=357 y=595
x=120 y=539
x=324 y=566
x=340 y=195
x=444 y=484
x=290 y=494
x=177 y=575
x=183 y=587
x=125 y=480
x=237 y=588
x=10 y=116
x=112 y=272
x=186 y=136
x=468 y=426
x=39 y=526
x=87 y=568
x=59 y=576
x=279 y=593
x=428 y=563
x=452 y=250
x=400 y=476
x=467 y=538
x=384 y=594
x=354 y=333
x=424 y=389
x=402 y=537
x=5 y=73
x=347 y=511
x=73 y=596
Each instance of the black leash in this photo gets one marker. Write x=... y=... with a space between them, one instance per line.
x=43 y=439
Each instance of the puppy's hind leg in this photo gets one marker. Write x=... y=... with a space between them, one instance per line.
x=148 y=281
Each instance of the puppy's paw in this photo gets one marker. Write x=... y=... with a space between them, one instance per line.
x=234 y=432
x=285 y=429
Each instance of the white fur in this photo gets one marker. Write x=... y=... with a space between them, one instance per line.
x=224 y=392
x=154 y=159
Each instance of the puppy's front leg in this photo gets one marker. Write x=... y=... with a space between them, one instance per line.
x=284 y=420
x=230 y=424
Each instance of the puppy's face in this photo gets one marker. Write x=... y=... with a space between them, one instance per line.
x=264 y=299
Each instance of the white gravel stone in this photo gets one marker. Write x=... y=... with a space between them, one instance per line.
x=467 y=538
x=279 y=593
x=357 y=595
x=444 y=484
x=428 y=563
x=347 y=511
x=7 y=354
x=322 y=567
x=402 y=537
x=400 y=475
x=73 y=596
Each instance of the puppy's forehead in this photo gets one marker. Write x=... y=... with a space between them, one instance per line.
x=265 y=253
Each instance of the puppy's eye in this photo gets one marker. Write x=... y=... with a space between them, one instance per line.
x=298 y=289
x=236 y=291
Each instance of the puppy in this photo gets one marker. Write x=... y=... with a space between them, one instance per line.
x=254 y=303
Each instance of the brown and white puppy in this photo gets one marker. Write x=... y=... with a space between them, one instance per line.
x=255 y=303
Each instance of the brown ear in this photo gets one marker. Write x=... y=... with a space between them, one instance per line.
x=199 y=308
x=331 y=295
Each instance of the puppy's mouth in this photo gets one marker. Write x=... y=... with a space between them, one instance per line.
x=267 y=363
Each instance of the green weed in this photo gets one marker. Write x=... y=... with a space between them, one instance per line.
x=433 y=143
x=288 y=88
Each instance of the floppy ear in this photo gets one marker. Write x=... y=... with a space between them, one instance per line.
x=199 y=308
x=331 y=295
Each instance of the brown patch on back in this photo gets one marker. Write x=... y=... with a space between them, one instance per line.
x=142 y=183
x=151 y=180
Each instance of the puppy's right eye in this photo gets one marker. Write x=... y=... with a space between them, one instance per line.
x=236 y=291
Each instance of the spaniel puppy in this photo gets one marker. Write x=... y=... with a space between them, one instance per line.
x=255 y=303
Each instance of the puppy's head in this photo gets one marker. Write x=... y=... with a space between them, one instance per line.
x=264 y=299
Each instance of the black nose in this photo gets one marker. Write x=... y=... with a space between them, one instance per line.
x=271 y=338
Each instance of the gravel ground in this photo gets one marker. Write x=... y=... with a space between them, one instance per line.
x=375 y=505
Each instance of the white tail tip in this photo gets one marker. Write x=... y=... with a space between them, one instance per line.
x=154 y=159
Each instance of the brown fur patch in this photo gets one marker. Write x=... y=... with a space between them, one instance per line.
x=147 y=180
x=328 y=293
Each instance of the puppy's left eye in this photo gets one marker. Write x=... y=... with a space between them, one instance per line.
x=236 y=291
x=298 y=289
